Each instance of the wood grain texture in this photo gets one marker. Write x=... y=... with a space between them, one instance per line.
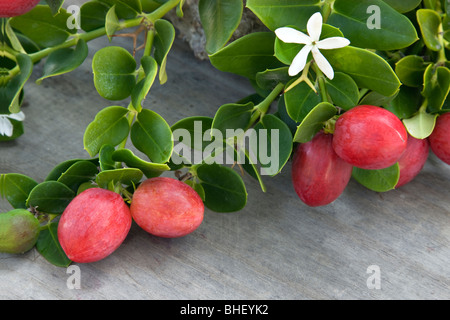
x=275 y=248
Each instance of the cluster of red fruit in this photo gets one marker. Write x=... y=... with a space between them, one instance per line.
x=97 y=221
x=365 y=137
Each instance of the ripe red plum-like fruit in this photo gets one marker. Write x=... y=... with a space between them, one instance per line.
x=318 y=174
x=413 y=160
x=440 y=138
x=12 y=8
x=19 y=231
x=166 y=207
x=370 y=137
x=94 y=225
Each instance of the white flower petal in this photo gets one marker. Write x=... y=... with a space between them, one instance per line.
x=299 y=62
x=6 y=127
x=333 y=43
x=290 y=35
x=17 y=116
x=323 y=63
x=315 y=26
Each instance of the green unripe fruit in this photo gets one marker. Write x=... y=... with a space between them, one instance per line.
x=19 y=231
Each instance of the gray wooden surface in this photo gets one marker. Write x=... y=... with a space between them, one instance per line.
x=275 y=248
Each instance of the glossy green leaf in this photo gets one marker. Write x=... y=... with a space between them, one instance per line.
x=343 y=91
x=49 y=247
x=192 y=130
x=406 y=103
x=270 y=78
x=378 y=180
x=224 y=189
x=62 y=167
x=284 y=116
x=300 y=100
x=93 y=15
x=280 y=13
x=149 y=169
x=421 y=125
x=232 y=117
x=219 y=18
x=372 y=24
x=374 y=98
x=16 y=188
x=197 y=187
x=42 y=27
x=110 y=126
x=151 y=135
x=314 y=122
x=125 y=9
x=55 y=5
x=64 y=60
x=430 y=27
x=250 y=166
x=248 y=55
x=105 y=157
x=114 y=73
x=126 y=176
x=436 y=87
x=276 y=138
x=410 y=70
x=165 y=36
x=112 y=22
x=403 y=6
x=18 y=130
x=144 y=85
x=368 y=69
x=50 y=197
x=12 y=37
x=78 y=173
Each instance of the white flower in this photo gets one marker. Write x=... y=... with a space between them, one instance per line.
x=312 y=44
x=6 y=127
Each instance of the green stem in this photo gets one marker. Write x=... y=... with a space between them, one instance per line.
x=327 y=8
x=262 y=108
x=322 y=84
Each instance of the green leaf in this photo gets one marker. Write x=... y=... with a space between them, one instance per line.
x=374 y=98
x=300 y=100
x=378 y=180
x=197 y=187
x=403 y=6
x=430 y=26
x=110 y=126
x=142 y=88
x=105 y=157
x=64 y=60
x=49 y=247
x=276 y=138
x=410 y=70
x=93 y=15
x=165 y=36
x=232 y=117
x=50 y=197
x=224 y=189
x=314 y=122
x=78 y=173
x=16 y=188
x=354 y=18
x=406 y=103
x=343 y=91
x=219 y=18
x=192 y=130
x=270 y=78
x=280 y=13
x=151 y=135
x=149 y=169
x=250 y=167
x=126 y=176
x=422 y=125
x=436 y=87
x=111 y=22
x=368 y=69
x=114 y=73
x=62 y=167
x=55 y=5
x=42 y=27
x=248 y=55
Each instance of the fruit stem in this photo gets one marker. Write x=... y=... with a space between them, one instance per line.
x=261 y=109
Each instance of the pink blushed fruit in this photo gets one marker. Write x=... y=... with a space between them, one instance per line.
x=370 y=137
x=12 y=8
x=319 y=176
x=413 y=160
x=166 y=207
x=94 y=225
x=440 y=138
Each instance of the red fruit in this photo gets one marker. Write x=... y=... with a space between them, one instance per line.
x=167 y=207
x=370 y=137
x=12 y=8
x=318 y=174
x=440 y=138
x=94 y=225
x=413 y=160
